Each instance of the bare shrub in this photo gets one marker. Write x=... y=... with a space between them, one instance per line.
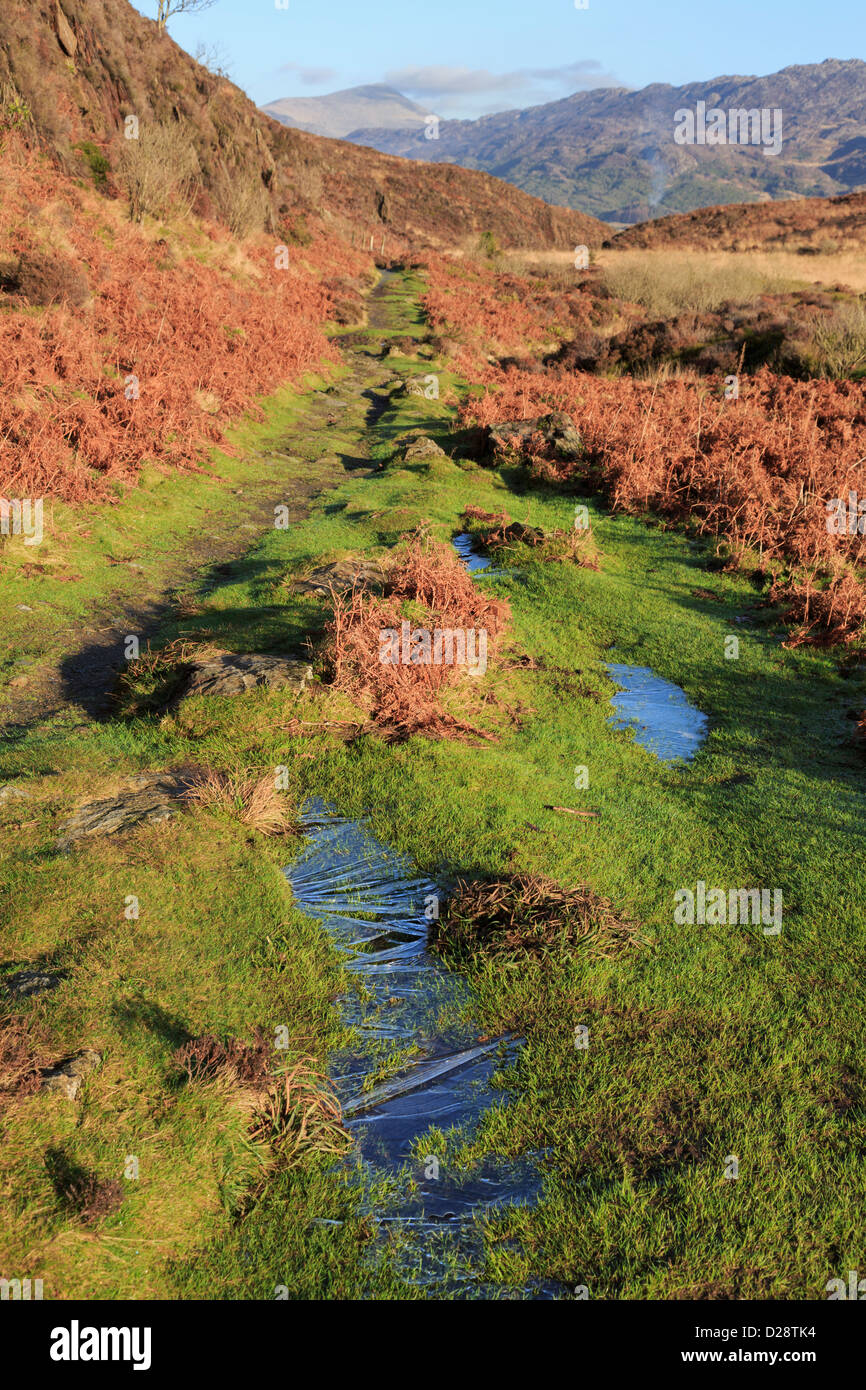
x=160 y=170
x=213 y=57
x=240 y=200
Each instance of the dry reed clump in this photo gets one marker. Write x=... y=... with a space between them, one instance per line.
x=205 y=1058
x=405 y=697
x=97 y=1198
x=83 y=1193
x=20 y=1070
x=496 y=530
x=293 y=1110
x=826 y=617
x=246 y=797
x=529 y=914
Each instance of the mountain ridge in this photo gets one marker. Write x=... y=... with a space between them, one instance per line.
x=610 y=152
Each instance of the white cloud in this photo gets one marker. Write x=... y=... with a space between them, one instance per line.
x=310 y=77
x=447 y=80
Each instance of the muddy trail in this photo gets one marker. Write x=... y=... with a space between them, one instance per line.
x=330 y=438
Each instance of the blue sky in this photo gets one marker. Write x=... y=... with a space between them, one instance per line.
x=470 y=57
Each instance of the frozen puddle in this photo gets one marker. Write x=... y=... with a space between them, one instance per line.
x=465 y=547
x=373 y=903
x=658 y=711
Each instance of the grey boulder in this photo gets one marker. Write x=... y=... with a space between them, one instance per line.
x=556 y=429
x=27 y=983
x=146 y=798
x=342 y=575
x=67 y=1076
x=231 y=673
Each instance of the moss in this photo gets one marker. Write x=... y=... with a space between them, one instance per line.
x=96 y=161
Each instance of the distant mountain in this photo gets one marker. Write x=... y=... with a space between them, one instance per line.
x=339 y=114
x=611 y=152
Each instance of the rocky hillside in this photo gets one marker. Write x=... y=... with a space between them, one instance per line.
x=612 y=153
x=71 y=72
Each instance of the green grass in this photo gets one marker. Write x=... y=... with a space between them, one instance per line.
x=707 y=1042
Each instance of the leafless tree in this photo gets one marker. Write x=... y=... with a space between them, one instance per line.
x=213 y=57
x=166 y=9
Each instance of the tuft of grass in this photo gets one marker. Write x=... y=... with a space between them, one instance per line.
x=293 y=1110
x=299 y=1114
x=253 y=800
x=840 y=341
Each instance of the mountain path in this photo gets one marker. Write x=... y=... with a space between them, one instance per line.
x=82 y=673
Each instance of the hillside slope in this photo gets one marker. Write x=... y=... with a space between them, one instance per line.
x=802 y=224
x=80 y=67
x=612 y=153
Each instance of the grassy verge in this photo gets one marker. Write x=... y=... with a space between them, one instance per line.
x=706 y=1044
